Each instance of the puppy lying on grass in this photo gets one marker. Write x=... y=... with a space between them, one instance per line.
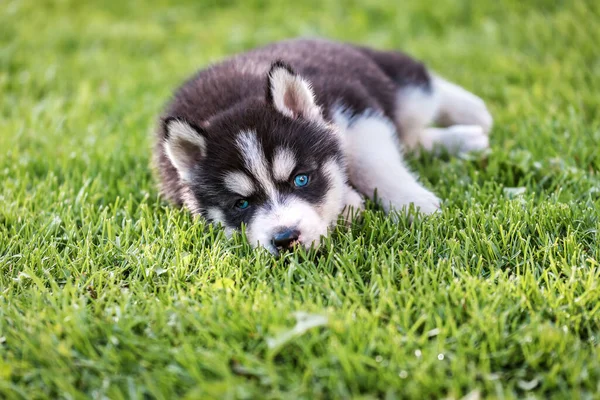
x=286 y=137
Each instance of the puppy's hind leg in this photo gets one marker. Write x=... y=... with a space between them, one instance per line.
x=457 y=106
x=424 y=99
x=463 y=114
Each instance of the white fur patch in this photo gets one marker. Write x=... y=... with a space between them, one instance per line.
x=255 y=161
x=376 y=164
x=183 y=147
x=293 y=96
x=240 y=183
x=284 y=163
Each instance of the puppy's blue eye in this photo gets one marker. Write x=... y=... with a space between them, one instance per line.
x=301 y=180
x=242 y=204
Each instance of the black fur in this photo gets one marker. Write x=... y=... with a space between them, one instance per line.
x=228 y=97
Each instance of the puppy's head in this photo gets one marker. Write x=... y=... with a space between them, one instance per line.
x=271 y=163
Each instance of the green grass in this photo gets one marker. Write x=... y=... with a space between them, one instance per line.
x=105 y=291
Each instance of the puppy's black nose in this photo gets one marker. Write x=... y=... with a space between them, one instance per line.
x=285 y=238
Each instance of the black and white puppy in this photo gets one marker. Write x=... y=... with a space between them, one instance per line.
x=286 y=137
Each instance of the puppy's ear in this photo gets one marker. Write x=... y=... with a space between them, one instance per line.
x=291 y=94
x=185 y=145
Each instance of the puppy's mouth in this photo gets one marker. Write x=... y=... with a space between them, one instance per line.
x=290 y=247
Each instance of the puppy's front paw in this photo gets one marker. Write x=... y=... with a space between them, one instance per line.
x=422 y=199
x=427 y=202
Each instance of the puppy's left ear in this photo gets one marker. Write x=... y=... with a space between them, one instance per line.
x=185 y=145
x=291 y=94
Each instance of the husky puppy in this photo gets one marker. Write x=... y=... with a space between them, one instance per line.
x=286 y=137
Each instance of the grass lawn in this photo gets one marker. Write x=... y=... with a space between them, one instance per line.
x=107 y=292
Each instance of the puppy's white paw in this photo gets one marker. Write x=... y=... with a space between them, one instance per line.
x=458 y=139
x=422 y=199
x=427 y=202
